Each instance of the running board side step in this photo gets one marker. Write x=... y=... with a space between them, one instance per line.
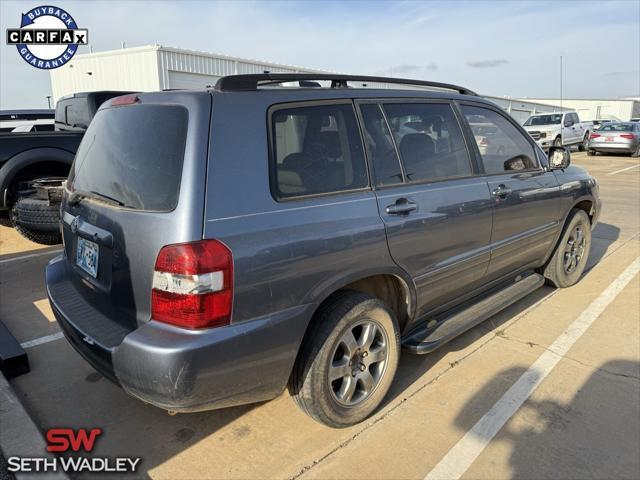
x=429 y=339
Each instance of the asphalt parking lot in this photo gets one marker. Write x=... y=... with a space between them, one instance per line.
x=582 y=419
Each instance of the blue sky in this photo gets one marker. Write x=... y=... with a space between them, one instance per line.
x=497 y=48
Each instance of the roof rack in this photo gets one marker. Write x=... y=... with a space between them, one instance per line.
x=234 y=83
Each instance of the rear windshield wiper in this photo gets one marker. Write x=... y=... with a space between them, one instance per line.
x=78 y=195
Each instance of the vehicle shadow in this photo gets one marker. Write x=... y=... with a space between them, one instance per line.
x=413 y=367
x=602 y=237
x=596 y=434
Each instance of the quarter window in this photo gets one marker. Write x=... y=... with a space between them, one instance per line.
x=429 y=140
x=317 y=149
x=502 y=147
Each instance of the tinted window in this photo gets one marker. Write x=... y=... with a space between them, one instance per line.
x=502 y=147
x=429 y=140
x=317 y=149
x=134 y=155
x=617 y=127
x=382 y=152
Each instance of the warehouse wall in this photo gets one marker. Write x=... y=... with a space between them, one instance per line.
x=133 y=69
x=189 y=69
x=613 y=109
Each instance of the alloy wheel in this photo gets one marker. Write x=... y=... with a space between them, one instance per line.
x=358 y=362
x=574 y=249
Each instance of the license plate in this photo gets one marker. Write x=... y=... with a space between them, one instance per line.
x=609 y=139
x=87 y=256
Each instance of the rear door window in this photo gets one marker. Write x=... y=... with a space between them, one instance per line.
x=502 y=147
x=429 y=140
x=134 y=155
x=317 y=149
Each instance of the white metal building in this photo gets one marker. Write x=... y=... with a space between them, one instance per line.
x=619 y=109
x=155 y=67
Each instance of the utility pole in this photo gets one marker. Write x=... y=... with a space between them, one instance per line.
x=561 y=109
x=49 y=101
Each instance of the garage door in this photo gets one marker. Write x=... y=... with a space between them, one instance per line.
x=190 y=81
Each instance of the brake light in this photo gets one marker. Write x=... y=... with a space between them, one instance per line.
x=595 y=135
x=124 y=100
x=628 y=136
x=193 y=285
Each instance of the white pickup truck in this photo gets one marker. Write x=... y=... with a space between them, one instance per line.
x=559 y=129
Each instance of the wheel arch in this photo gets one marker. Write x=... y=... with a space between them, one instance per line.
x=28 y=163
x=393 y=286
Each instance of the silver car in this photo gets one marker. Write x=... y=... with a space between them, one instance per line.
x=616 y=138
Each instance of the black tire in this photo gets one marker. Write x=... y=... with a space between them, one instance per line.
x=585 y=143
x=591 y=153
x=557 y=142
x=560 y=270
x=37 y=220
x=324 y=350
x=636 y=153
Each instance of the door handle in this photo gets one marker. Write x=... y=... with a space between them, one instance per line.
x=501 y=191
x=401 y=207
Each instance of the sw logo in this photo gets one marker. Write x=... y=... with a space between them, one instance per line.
x=48 y=37
x=66 y=441
x=63 y=439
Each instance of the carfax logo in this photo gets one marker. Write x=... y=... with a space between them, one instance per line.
x=48 y=37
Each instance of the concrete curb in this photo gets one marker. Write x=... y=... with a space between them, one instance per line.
x=19 y=435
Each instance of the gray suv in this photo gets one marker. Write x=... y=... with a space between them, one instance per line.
x=221 y=245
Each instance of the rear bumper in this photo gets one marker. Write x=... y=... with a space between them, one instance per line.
x=186 y=371
x=613 y=147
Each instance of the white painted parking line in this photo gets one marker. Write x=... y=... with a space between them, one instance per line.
x=32 y=255
x=457 y=461
x=41 y=340
x=623 y=169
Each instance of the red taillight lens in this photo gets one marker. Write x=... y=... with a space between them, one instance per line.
x=594 y=135
x=124 y=100
x=628 y=136
x=193 y=285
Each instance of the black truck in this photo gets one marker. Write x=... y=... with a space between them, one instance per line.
x=34 y=165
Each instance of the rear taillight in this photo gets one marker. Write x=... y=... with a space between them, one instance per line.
x=193 y=285
x=628 y=136
x=594 y=135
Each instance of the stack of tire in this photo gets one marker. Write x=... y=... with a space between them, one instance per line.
x=37 y=219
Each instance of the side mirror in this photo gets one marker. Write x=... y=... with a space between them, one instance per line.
x=559 y=158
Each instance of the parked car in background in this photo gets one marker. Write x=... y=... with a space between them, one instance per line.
x=205 y=268
x=559 y=129
x=34 y=163
x=621 y=137
x=22 y=120
x=598 y=123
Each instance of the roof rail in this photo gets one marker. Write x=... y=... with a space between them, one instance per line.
x=250 y=82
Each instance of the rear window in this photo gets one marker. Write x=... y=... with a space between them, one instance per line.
x=617 y=127
x=134 y=155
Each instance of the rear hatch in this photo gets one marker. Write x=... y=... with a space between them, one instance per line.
x=137 y=184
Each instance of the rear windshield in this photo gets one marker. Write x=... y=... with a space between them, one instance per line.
x=617 y=127
x=134 y=155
